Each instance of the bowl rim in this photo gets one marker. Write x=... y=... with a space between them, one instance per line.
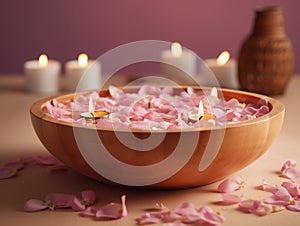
x=277 y=108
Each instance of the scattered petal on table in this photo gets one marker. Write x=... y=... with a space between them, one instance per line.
x=7 y=172
x=46 y=160
x=60 y=200
x=113 y=210
x=33 y=205
x=231 y=184
x=268 y=187
x=76 y=204
x=281 y=197
x=292 y=173
x=288 y=164
x=89 y=212
x=295 y=207
x=209 y=217
x=88 y=197
x=229 y=199
x=18 y=165
x=293 y=188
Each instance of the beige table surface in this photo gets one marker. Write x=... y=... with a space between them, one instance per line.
x=17 y=139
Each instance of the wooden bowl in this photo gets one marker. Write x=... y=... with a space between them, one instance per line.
x=182 y=159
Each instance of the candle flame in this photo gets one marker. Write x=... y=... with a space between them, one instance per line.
x=83 y=60
x=200 y=110
x=176 y=49
x=91 y=106
x=223 y=58
x=43 y=60
x=214 y=92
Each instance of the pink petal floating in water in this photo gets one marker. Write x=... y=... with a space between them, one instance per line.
x=7 y=172
x=113 y=210
x=34 y=205
x=229 y=199
x=262 y=111
x=231 y=184
x=115 y=92
x=149 y=90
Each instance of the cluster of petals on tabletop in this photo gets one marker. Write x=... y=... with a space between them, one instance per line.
x=284 y=196
x=154 y=108
x=11 y=169
x=183 y=214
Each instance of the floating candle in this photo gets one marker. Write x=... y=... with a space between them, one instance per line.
x=200 y=115
x=92 y=114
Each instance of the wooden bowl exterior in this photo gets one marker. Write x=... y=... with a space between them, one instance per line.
x=243 y=143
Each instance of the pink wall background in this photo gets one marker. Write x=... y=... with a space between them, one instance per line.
x=64 y=28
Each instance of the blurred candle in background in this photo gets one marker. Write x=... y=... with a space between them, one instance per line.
x=42 y=75
x=82 y=74
x=225 y=70
x=178 y=64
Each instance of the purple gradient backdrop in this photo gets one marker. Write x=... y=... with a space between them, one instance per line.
x=64 y=28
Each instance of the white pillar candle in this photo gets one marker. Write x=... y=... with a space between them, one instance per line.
x=178 y=62
x=225 y=70
x=83 y=74
x=42 y=76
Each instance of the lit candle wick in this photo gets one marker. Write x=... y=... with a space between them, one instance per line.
x=202 y=115
x=223 y=58
x=92 y=114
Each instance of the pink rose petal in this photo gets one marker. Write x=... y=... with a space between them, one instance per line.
x=150 y=218
x=7 y=172
x=18 y=165
x=188 y=211
x=89 y=212
x=88 y=197
x=293 y=188
x=292 y=173
x=256 y=207
x=229 y=199
x=209 y=217
x=230 y=185
x=295 y=207
x=281 y=197
x=113 y=210
x=287 y=164
x=46 y=160
x=33 y=205
x=60 y=200
x=268 y=187
x=76 y=204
